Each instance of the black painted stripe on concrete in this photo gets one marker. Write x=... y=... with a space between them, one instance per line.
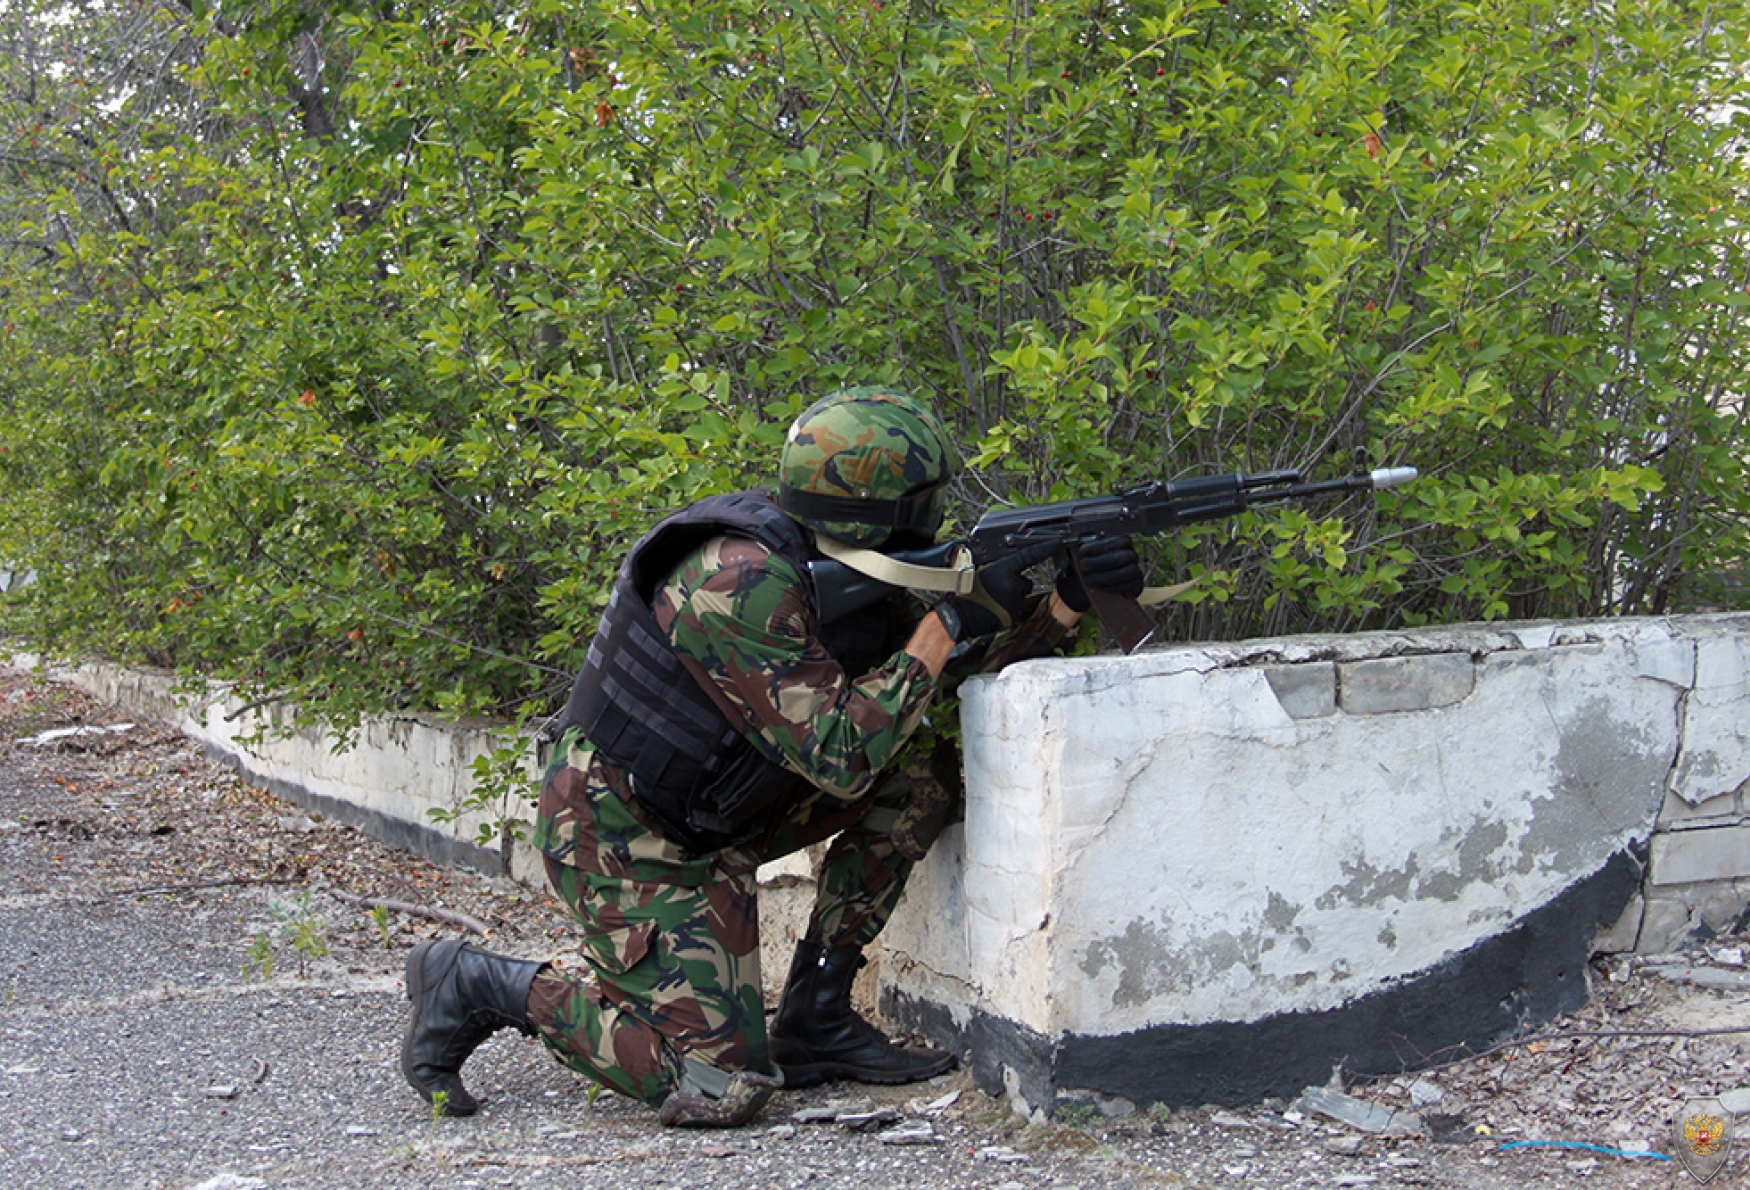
x=1500 y=987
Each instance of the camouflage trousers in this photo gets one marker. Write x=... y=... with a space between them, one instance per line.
x=671 y=939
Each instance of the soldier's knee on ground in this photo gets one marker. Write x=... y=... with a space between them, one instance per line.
x=708 y=1097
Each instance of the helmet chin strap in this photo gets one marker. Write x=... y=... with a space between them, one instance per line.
x=960 y=577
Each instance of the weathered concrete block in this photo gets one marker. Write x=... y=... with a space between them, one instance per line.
x=1622 y=934
x=1715 y=753
x=1692 y=856
x=1664 y=660
x=1185 y=877
x=1305 y=691
x=1677 y=917
x=385 y=780
x=1665 y=924
x=1677 y=814
x=1396 y=684
x=1178 y=881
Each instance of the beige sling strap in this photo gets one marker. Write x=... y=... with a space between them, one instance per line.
x=1153 y=595
x=958 y=579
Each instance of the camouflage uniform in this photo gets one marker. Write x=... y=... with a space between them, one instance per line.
x=671 y=937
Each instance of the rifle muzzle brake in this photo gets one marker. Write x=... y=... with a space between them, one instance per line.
x=1391 y=477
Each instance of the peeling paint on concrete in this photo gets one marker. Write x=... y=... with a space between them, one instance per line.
x=1279 y=913
x=1473 y=860
x=1369 y=885
x=1607 y=779
x=1531 y=971
x=1714 y=757
x=1150 y=961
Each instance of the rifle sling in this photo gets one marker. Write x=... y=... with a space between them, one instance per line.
x=1122 y=615
x=1153 y=595
x=958 y=579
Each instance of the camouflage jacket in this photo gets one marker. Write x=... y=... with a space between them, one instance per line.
x=742 y=614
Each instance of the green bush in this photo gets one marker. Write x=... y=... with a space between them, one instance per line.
x=347 y=347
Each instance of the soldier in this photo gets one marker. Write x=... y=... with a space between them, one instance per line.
x=715 y=725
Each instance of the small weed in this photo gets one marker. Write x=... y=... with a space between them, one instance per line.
x=1165 y=1119
x=296 y=923
x=502 y=783
x=1078 y=1115
x=259 y=956
x=439 y=1101
x=380 y=915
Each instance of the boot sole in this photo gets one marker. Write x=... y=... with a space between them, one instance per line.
x=812 y=1074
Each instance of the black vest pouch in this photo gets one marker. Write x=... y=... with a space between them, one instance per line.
x=745 y=794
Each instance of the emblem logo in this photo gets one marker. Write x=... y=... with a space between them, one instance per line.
x=1702 y=1133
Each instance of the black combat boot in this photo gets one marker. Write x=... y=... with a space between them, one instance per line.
x=461 y=996
x=817 y=1035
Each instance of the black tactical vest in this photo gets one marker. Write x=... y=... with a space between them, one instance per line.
x=691 y=769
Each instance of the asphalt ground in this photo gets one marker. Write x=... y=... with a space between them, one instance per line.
x=193 y=998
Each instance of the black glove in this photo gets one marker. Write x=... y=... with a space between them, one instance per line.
x=1106 y=564
x=1006 y=583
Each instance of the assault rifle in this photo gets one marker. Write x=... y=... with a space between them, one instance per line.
x=848 y=580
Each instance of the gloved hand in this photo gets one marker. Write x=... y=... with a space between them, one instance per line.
x=1006 y=584
x=1106 y=564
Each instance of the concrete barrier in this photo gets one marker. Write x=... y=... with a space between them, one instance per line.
x=387 y=779
x=1213 y=873
x=1209 y=874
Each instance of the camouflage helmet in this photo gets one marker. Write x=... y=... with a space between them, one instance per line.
x=866 y=464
